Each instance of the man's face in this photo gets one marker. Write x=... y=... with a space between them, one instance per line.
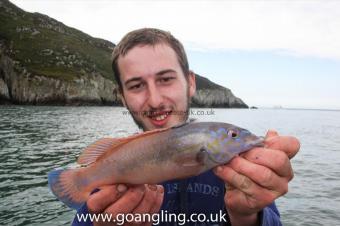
x=155 y=89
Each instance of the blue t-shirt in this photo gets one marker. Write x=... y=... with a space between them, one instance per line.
x=199 y=198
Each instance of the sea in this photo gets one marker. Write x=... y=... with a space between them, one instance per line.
x=37 y=139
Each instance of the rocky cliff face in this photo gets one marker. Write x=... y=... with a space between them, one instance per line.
x=209 y=94
x=42 y=61
x=22 y=87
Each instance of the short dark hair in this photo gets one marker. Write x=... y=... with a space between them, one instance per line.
x=147 y=36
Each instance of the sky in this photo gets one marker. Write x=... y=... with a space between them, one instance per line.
x=269 y=53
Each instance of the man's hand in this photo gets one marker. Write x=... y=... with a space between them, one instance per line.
x=118 y=199
x=258 y=177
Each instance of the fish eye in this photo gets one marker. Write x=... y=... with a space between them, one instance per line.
x=232 y=134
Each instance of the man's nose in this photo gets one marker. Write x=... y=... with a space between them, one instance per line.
x=155 y=97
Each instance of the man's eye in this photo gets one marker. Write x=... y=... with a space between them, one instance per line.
x=166 y=79
x=136 y=86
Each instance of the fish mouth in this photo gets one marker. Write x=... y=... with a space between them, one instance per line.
x=257 y=142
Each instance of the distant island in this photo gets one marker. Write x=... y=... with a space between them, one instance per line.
x=44 y=62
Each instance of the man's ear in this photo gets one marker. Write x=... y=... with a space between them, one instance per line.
x=192 y=83
x=121 y=96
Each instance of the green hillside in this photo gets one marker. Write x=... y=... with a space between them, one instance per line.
x=47 y=47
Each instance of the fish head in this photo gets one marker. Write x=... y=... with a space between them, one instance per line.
x=226 y=141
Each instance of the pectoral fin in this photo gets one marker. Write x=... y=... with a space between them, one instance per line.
x=202 y=156
x=192 y=159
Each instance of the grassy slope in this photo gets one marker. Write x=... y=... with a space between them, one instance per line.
x=79 y=52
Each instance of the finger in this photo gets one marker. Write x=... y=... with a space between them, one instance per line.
x=236 y=201
x=276 y=160
x=159 y=200
x=229 y=187
x=246 y=190
x=230 y=176
x=100 y=200
x=261 y=175
x=243 y=204
x=151 y=201
x=128 y=202
x=271 y=133
x=148 y=199
x=289 y=145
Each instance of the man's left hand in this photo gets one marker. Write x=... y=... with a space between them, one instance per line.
x=258 y=177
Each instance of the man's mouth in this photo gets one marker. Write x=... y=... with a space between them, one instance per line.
x=159 y=118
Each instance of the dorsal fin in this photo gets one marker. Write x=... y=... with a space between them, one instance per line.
x=97 y=149
x=93 y=152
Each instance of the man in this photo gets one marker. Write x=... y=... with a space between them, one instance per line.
x=156 y=85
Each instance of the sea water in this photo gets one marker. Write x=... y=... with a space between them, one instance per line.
x=34 y=140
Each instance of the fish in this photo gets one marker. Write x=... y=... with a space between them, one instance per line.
x=151 y=157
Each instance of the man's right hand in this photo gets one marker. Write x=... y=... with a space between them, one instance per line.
x=119 y=199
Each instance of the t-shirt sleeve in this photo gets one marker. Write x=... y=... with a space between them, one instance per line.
x=81 y=218
x=270 y=216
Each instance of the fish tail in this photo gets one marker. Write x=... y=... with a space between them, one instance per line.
x=67 y=186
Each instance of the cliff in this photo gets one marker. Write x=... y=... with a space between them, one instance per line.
x=43 y=61
x=209 y=94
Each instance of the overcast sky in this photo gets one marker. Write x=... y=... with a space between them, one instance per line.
x=269 y=53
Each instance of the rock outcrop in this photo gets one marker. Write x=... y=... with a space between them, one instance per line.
x=209 y=94
x=23 y=87
x=43 y=61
